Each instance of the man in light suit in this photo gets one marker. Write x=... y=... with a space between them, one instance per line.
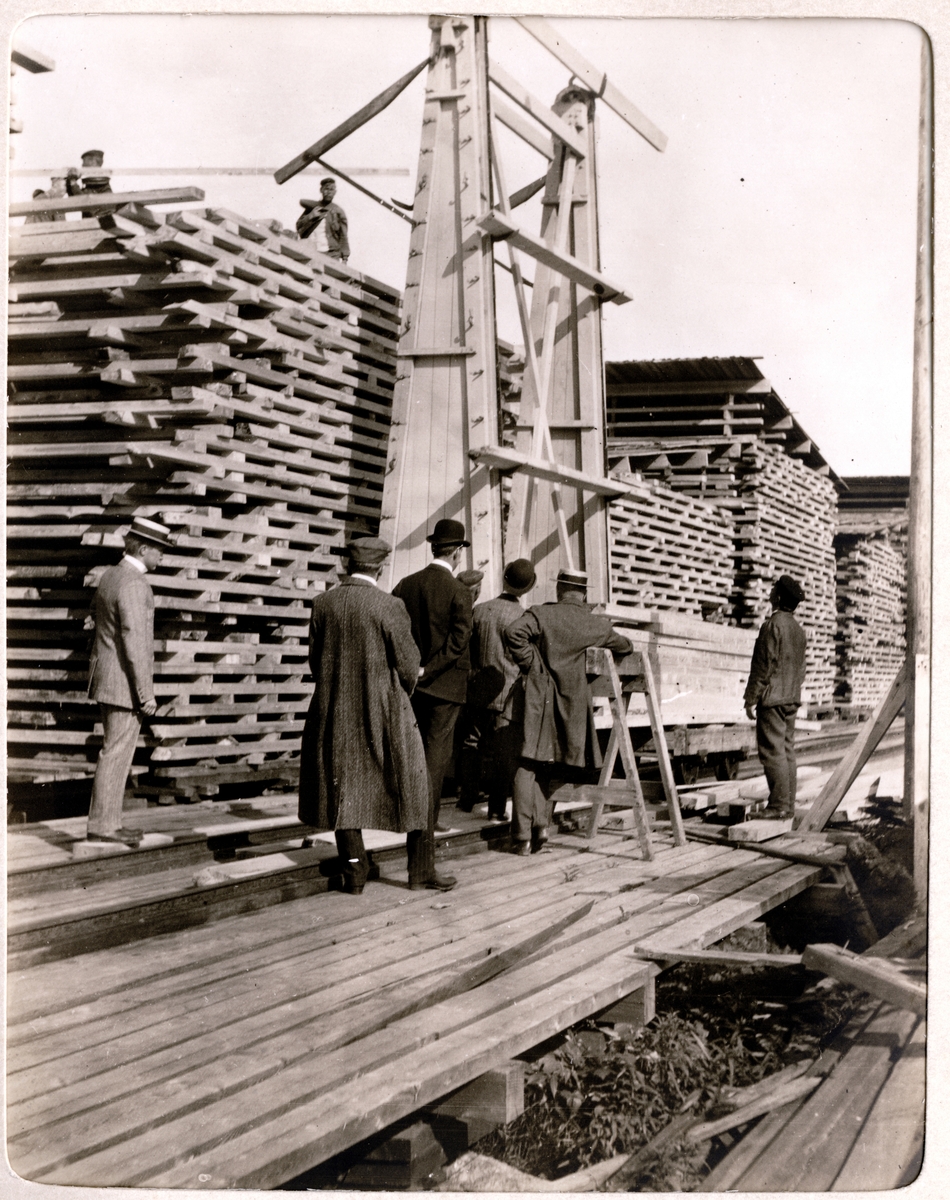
x=120 y=673
x=440 y=611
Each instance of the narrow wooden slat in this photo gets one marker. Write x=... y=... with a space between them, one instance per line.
x=106 y=201
x=542 y=114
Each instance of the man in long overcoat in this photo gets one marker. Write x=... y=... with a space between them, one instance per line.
x=440 y=609
x=120 y=673
x=362 y=765
x=549 y=643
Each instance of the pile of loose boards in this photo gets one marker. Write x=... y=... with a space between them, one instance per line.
x=220 y=376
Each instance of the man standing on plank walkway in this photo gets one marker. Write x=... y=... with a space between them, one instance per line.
x=549 y=643
x=120 y=673
x=774 y=692
x=440 y=609
x=362 y=765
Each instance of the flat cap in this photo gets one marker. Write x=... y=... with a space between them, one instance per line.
x=470 y=578
x=368 y=551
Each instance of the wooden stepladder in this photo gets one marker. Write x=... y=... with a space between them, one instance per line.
x=633 y=675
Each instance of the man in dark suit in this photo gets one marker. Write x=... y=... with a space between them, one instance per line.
x=120 y=673
x=440 y=610
x=362 y=765
x=549 y=643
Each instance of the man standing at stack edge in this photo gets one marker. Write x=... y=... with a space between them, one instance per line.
x=440 y=609
x=549 y=643
x=326 y=222
x=362 y=765
x=774 y=692
x=120 y=673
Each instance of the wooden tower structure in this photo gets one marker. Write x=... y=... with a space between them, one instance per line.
x=447 y=456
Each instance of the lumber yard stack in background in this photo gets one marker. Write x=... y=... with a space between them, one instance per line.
x=715 y=430
x=870 y=546
x=226 y=379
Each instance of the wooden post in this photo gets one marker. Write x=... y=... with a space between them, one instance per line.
x=445 y=399
x=917 y=712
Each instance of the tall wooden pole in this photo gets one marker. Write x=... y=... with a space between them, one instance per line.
x=917 y=710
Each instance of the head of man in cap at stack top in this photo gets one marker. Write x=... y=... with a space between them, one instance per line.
x=549 y=643
x=120 y=672
x=440 y=609
x=774 y=693
x=493 y=716
x=362 y=765
x=326 y=222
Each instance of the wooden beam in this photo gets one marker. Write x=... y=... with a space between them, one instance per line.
x=850 y=767
x=31 y=60
x=876 y=976
x=596 y=80
x=524 y=129
x=106 y=201
x=541 y=113
x=500 y=227
x=691 y=387
x=735 y=958
x=502 y=459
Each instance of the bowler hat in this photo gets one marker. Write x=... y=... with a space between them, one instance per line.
x=520 y=575
x=470 y=578
x=152 y=532
x=448 y=533
x=368 y=551
x=575 y=579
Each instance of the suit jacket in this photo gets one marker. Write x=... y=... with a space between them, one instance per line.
x=335 y=224
x=778 y=662
x=123 y=654
x=440 y=610
x=494 y=672
x=362 y=763
x=549 y=643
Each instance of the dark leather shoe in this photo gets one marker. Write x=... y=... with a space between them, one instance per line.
x=521 y=848
x=121 y=837
x=438 y=883
x=539 y=837
x=353 y=889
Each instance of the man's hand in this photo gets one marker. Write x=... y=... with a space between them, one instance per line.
x=750 y=712
x=150 y=708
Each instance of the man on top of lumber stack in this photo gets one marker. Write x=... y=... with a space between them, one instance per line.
x=120 y=673
x=494 y=711
x=774 y=692
x=326 y=221
x=362 y=765
x=440 y=609
x=549 y=643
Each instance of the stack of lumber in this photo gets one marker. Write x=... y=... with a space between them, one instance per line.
x=785 y=524
x=667 y=551
x=872 y=612
x=206 y=371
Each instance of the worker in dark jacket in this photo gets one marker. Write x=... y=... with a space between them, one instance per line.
x=549 y=643
x=326 y=222
x=774 y=692
x=440 y=612
x=495 y=706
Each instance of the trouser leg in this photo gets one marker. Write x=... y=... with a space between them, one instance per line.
x=420 y=855
x=790 y=757
x=771 y=738
x=470 y=740
x=349 y=843
x=436 y=720
x=529 y=805
x=120 y=731
x=505 y=748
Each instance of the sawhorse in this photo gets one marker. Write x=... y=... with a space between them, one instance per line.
x=638 y=678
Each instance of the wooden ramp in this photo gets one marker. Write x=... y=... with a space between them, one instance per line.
x=244 y=1053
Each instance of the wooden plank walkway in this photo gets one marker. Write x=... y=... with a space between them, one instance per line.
x=243 y=1053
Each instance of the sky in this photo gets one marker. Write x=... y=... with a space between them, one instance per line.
x=780 y=222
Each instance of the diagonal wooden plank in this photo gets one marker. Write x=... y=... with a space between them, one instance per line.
x=596 y=80
x=541 y=113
